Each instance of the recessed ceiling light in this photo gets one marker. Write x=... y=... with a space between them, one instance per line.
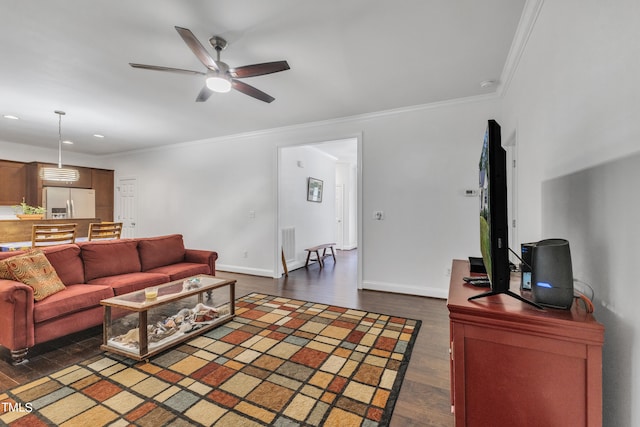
x=97 y=135
x=10 y=117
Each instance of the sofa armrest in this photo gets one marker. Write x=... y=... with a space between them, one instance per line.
x=16 y=315
x=202 y=257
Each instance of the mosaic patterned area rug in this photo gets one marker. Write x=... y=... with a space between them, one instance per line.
x=280 y=362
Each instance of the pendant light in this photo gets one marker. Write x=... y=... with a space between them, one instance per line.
x=59 y=173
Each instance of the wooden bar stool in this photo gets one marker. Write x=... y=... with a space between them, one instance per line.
x=52 y=234
x=105 y=230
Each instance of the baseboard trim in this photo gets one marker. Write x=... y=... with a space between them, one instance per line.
x=366 y=284
x=244 y=270
x=405 y=289
x=294 y=265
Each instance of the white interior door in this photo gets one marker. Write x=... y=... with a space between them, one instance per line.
x=127 y=191
x=339 y=216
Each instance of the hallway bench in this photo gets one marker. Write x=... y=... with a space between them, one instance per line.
x=316 y=250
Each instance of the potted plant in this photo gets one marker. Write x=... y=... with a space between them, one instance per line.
x=28 y=211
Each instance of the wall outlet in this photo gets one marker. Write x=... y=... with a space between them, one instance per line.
x=245 y=254
x=447 y=272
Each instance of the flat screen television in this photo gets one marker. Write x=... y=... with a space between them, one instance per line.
x=494 y=223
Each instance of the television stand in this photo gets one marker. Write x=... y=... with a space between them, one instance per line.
x=507 y=292
x=511 y=364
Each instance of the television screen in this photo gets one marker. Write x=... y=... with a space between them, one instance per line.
x=493 y=208
x=494 y=223
x=485 y=213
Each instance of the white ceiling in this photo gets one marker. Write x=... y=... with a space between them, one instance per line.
x=347 y=57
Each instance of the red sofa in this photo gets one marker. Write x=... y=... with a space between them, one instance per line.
x=91 y=272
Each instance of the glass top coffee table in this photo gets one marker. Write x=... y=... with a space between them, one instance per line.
x=143 y=323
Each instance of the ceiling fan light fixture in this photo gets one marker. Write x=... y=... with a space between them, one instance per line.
x=220 y=84
x=219 y=78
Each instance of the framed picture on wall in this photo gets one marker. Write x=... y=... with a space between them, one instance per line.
x=314 y=190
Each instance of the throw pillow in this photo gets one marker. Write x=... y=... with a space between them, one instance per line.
x=4 y=270
x=35 y=270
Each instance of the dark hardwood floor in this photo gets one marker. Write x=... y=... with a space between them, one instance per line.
x=424 y=397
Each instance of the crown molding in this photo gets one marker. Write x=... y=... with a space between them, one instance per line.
x=526 y=25
x=311 y=125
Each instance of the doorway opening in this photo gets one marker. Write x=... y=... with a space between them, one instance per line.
x=332 y=214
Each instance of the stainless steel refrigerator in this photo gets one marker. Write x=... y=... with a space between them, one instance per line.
x=61 y=202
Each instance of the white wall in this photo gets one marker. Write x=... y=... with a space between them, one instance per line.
x=314 y=222
x=415 y=168
x=416 y=163
x=219 y=195
x=574 y=104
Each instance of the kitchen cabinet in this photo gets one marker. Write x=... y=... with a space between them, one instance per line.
x=35 y=183
x=19 y=179
x=103 y=183
x=13 y=178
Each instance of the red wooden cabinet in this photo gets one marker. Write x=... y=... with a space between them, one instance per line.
x=515 y=365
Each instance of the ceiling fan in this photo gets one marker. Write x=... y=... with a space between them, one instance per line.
x=219 y=77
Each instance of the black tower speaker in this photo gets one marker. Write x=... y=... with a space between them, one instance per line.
x=552 y=274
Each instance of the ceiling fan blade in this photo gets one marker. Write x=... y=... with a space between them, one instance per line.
x=197 y=48
x=258 y=69
x=160 y=68
x=204 y=94
x=251 y=91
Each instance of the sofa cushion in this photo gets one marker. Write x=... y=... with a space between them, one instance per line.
x=67 y=263
x=125 y=283
x=68 y=324
x=35 y=270
x=160 y=251
x=181 y=270
x=73 y=299
x=109 y=258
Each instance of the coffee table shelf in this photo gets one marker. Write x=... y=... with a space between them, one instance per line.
x=139 y=327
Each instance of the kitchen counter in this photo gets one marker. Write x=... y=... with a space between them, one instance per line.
x=23 y=246
x=19 y=230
